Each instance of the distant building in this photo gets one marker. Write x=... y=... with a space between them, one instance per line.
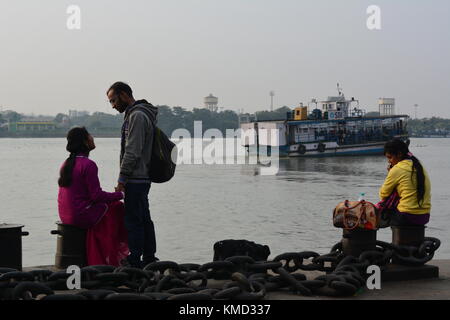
x=386 y=106
x=65 y=120
x=36 y=119
x=28 y=126
x=77 y=114
x=211 y=103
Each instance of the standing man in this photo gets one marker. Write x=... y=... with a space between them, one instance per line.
x=135 y=154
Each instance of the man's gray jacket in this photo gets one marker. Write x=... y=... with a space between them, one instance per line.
x=136 y=143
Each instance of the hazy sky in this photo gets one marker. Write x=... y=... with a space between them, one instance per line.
x=176 y=52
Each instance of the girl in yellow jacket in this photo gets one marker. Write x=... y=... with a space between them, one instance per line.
x=407 y=188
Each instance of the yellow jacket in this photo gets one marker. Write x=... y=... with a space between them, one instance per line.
x=399 y=178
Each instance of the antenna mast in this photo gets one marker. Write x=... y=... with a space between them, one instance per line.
x=272 y=94
x=339 y=89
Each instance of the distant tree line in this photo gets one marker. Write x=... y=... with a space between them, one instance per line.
x=277 y=114
x=429 y=126
x=172 y=118
x=10 y=116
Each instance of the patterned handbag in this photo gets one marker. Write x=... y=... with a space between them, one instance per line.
x=350 y=215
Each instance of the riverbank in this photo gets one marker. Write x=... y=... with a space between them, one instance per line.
x=61 y=134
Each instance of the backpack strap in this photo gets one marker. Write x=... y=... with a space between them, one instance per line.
x=145 y=112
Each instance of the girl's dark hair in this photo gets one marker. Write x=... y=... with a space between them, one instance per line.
x=76 y=144
x=400 y=149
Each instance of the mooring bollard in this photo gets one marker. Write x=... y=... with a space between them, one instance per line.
x=11 y=245
x=408 y=260
x=71 y=246
x=408 y=235
x=356 y=241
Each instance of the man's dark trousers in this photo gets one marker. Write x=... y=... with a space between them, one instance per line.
x=141 y=231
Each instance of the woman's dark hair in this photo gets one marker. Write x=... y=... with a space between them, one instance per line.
x=76 y=144
x=397 y=147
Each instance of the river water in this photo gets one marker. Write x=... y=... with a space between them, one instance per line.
x=202 y=204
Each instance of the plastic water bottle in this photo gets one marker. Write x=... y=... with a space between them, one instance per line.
x=361 y=196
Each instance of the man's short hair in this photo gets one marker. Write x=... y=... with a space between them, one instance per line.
x=120 y=87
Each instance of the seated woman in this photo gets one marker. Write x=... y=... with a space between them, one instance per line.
x=406 y=192
x=82 y=203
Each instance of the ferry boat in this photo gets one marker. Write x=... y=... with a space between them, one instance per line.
x=339 y=128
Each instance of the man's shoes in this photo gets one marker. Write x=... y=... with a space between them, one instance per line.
x=147 y=261
x=127 y=263
x=124 y=263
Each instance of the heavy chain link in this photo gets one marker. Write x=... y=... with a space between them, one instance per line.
x=247 y=279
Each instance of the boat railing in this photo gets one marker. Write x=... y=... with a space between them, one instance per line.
x=358 y=137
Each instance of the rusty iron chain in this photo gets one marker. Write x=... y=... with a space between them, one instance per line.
x=246 y=279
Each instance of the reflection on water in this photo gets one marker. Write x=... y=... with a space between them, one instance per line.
x=290 y=168
x=331 y=165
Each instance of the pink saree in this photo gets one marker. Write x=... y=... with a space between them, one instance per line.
x=106 y=241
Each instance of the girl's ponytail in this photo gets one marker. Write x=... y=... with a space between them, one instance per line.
x=65 y=178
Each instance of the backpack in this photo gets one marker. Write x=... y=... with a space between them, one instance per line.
x=230 y=248
x=162 y=168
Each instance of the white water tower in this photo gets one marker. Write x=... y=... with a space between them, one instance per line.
x=386 y=106
x=211 y=103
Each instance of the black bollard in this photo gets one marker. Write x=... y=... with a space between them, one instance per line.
x=402 y=269
x=356 y=241
x=11 y=245
x=71 y=246
x=408 y=235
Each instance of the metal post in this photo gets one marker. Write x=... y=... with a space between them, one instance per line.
x=271 y=100
x=257 y=142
